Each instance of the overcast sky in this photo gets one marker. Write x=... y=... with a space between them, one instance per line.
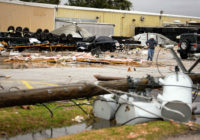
x=179 y=7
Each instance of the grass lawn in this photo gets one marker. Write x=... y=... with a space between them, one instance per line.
x=16 y=120
x=147 y=131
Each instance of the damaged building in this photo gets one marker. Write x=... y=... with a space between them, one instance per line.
x=114 y=22
x=76 y=68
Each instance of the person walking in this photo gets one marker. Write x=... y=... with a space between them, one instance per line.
x=151 y=43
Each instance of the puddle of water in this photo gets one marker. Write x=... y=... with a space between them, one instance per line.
x=57 y=132
x=51 y=133
x=68 y=130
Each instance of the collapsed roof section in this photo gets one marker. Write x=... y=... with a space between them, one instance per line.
x=73 y=29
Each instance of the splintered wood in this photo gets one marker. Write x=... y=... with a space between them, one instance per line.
x=76 y=58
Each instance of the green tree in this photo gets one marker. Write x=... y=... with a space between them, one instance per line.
x=44 y=1
x=122 y=4
x=110 y=4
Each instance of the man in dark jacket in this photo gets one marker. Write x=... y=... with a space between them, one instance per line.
x=151 y=43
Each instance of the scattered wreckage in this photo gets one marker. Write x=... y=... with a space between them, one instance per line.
x=127 y=100
x=40 y=40
x=79 y=57
x=70 y=37
x=161 y=39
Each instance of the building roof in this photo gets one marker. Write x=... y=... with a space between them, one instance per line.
x=28 y=3
x=90 y=9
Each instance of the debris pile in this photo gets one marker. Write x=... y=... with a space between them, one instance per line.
x=78 y=57
x=69 y=37
x=161 y=39
x=21 y=39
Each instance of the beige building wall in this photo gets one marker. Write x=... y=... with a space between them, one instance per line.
x=35 y=15
x=125 y=23
x=26 y=16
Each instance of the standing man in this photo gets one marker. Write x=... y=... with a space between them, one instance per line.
x=151 y=43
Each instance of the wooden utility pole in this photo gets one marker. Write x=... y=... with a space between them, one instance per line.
x=78 y=90
x=70 y=91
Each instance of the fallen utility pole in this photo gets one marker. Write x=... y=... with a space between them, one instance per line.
x=78 y=90
x=195 y=78
x=33 y=96
x=70 y=91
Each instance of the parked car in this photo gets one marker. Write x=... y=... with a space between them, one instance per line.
x=189 y=44
x=104 y=43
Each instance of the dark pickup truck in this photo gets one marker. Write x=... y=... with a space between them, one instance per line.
x=189 y=44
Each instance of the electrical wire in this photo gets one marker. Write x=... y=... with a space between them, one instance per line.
x=50 y=111
x=69 y=106
x=157 y=63
x=137 y=118
x=181 y=86
x=132 y=95
x=128 y=102
x=168 y=85
x=80 y=107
